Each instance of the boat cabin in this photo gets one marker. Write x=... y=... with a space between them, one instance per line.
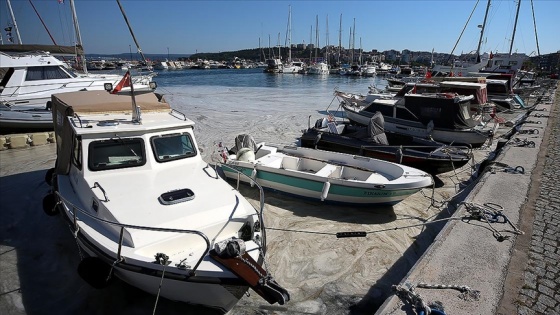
x=97 y=126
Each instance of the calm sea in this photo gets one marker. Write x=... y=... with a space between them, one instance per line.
x=270 y=107
x=257 y=78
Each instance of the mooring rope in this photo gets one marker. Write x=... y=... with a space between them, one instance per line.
x=487 y=212
x=163 y=260
x=407 y=293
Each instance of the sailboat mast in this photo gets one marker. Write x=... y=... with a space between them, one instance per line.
x=14 y=21
x=353 y=39
x=514 y=26
x=316 y=36
x=535 y=26
x=327 y=42
x=482 y=32
x=339 y=39
x=132 y=33
x=350 y=47
x=78 y=36
x=290 y=34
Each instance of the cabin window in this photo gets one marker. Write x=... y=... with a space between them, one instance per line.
x=116 y=153
x=46 y=73
x=77 y=153
x=173 y=147
x=6 y=74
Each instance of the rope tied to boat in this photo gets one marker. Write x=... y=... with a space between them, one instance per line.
x=163 y=260
x=506 y=168
x=521 y=143
x=529 y=131
x=467 y=293
x=75 y=233
x=408 y=294
x=538 y=122
x=490 y=213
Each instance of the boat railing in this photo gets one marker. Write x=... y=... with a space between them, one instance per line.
x=253 y=182
x=52 y=86
x=74 y=209
x=175 y=113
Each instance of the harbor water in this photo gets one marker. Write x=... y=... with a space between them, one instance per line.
x=323 y=274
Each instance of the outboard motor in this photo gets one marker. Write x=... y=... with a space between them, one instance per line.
x=246 y=147
x=321 y=123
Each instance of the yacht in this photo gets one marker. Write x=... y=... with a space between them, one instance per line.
x=29 y=79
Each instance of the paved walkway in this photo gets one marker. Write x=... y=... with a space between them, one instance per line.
x=540 y=292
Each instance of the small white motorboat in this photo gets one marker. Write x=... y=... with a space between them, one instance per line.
x=322 y=175
x=144 y=206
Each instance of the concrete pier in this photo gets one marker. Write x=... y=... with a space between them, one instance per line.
x=507 y=272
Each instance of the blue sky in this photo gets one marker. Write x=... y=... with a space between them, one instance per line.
x=213 y=26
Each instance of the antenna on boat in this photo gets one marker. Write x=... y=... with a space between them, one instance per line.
x=136 y=113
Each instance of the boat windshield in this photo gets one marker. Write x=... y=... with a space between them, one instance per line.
x=46 y=73
x=116 y=153
x=173 y=147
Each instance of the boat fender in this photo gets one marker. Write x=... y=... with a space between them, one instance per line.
x=325 y=191
x=50 y=205
x=317 y=139
x=253 y=177
x=49 y=176
x=399 y=155
x=95 y=272
x=230 y=248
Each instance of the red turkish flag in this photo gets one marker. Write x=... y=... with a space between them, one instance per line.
x=125 y=81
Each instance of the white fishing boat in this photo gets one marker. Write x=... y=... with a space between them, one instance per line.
x=144 y=207
x=322 y=175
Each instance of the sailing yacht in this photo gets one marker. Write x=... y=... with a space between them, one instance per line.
x=291 y=66
x=488 y=62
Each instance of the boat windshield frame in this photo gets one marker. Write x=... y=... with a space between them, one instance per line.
x=116 y=153
x=171 y=147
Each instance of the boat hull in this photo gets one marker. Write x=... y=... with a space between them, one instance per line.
x=328 y=176
x=26 y=120
x=202 y=289
x=211 y=292
x=312 y=189
x=423 y=159
x=470 y=137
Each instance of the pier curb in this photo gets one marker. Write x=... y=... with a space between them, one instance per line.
x=21 y=141
x=466 y=253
